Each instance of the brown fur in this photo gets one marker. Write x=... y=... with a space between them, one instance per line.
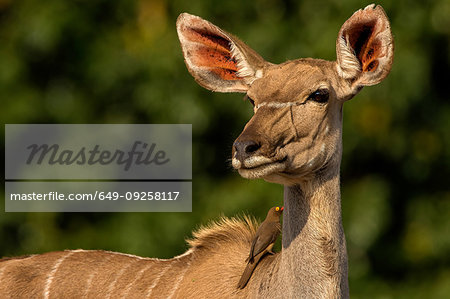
x=294 y=138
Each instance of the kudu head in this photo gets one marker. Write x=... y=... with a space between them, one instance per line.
x=295 y=132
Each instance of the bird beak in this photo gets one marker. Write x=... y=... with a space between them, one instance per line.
x=282 y=208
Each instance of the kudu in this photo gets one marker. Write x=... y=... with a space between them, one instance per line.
x=294 y=138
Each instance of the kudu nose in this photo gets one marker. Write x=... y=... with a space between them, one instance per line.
x=245 y=149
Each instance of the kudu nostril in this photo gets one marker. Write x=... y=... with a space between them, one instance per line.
x=251 y=147
x=245 y=149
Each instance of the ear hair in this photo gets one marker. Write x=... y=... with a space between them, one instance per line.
x=349 y=65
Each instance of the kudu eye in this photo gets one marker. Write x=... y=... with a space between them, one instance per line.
x=320 y=96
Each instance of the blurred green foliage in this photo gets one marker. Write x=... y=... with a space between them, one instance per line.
x=120 y=62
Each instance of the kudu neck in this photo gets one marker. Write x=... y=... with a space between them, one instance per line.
x=314 y=251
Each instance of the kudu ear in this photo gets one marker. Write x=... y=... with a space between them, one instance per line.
x=217 y=60
x=365 y=47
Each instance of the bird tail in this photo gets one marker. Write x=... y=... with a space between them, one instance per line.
x=246 y=275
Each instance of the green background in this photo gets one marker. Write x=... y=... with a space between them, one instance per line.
x=120 y=62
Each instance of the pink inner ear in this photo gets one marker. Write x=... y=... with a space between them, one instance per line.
x=363 y=39
x=212 y=51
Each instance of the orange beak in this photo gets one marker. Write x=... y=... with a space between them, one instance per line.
x=282 y=208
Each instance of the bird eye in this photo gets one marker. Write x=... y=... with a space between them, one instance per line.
x=320 y=96
x=250 y=100
x=277 y=208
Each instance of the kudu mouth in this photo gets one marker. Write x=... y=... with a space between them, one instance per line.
x=258 y=167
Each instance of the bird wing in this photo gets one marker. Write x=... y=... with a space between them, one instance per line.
x=268 y=234
x=252 y=248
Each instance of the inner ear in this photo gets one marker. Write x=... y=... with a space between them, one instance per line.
x=212 y=51
x=215 y=58
x=364 y=42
